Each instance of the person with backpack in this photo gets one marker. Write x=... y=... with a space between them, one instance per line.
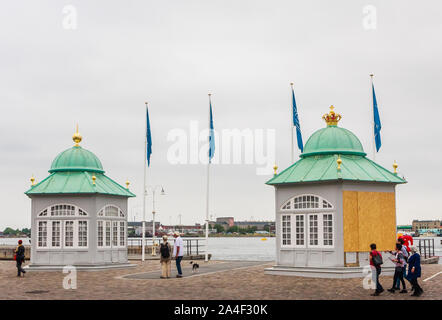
x=414 y=271
x=20 y=258
x=376 y=262
x=165 y=257
x=399 y=261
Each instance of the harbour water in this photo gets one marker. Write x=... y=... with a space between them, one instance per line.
x=241 y=248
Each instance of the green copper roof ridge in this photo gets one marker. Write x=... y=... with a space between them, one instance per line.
x=286 y=169
x=392 y=173
x=351 y=172
x=311 y=167
x=33 y=187
x=121 y=187
x=328 y=167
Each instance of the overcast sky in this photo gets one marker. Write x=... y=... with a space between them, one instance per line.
x=172 y=53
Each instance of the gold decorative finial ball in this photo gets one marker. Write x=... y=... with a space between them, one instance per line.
x=339 y=162
x=275 y=168
x=32 y=180
x=77 y=137
x=127 y=184
x=395 y=165
x=93 y=179
x=291 y=83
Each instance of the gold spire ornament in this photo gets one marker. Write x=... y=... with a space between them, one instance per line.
x=32 y=180
x=332 y=118
x=395 y=165
x=339 y=162
x=275 y=168
x=93 y=180
x=77 y=137
x=127 y=184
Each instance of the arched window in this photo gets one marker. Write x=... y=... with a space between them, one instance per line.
x=111 y=227
x=62 y=226
x=307 y=222
x=62 y=210
x=111 y=211
x=306 y=201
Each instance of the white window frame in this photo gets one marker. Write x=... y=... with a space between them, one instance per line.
x=295 y=231
x=290 y=225
x=45 y=215
x=322 y=210
x=289 y=205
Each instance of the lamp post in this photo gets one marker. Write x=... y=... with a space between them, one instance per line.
x=153 y=189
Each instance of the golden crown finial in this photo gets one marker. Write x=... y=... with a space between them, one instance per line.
x=332 y=118
x=339 y=162
x=127 y=184
x=395 y=165
x=275 y=169
x=93 y=180
x=32 y=180
x=77 y=137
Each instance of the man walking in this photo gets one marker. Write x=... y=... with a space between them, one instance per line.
x=178 y=251
x=375 y=262
x=20 y=258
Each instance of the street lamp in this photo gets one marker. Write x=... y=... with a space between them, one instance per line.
x=153 y=189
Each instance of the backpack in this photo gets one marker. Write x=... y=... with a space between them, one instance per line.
x=164 y=249
x=377 y=259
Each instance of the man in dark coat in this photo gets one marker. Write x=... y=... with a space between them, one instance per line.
x=414 y=271
x=20 y=258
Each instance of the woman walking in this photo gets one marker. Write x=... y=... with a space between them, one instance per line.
x=165 y=251
x=414 y=271
x=399 y=262
x=20 y=258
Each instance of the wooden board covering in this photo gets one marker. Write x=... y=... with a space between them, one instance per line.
x=369 y=217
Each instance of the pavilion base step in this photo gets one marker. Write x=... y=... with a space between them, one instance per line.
x=34 y=267
x=324 y=272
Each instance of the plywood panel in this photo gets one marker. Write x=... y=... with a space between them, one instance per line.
x=388 y=209
x=351 y=224
x=370 y=229
x=369 y=217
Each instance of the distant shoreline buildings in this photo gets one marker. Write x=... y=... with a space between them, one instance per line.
x=135 y=227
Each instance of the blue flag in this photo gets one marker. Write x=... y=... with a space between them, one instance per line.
x=377 y=122
x=148 y=138
x=296 y=123
x=211 y=135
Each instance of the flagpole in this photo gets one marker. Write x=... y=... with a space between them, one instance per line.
x=291 y=130
x=144 y=191
x=372 y=107
x=206 y=255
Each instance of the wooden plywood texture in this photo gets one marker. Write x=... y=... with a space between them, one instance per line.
x=351 y=224
x=369 y=217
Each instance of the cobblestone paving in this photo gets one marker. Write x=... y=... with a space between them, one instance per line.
x=246 y=283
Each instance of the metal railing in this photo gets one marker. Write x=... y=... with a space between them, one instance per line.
x=191 y=246
x=426 y=247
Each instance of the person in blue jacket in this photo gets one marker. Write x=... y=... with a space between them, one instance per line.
x=414 y=271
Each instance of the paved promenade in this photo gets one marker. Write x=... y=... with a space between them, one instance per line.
x=215 y=280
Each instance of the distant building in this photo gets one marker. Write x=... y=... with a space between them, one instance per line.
x=425 y=224
x=137 y=227
x=229 y=221
x=404 y=228
x=260 y=225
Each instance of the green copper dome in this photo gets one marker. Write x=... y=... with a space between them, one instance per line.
x=76 y=159
x=333 y=140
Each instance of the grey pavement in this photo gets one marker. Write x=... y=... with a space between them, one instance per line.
x=203 y=269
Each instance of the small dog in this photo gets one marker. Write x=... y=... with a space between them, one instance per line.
x=195 y=266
